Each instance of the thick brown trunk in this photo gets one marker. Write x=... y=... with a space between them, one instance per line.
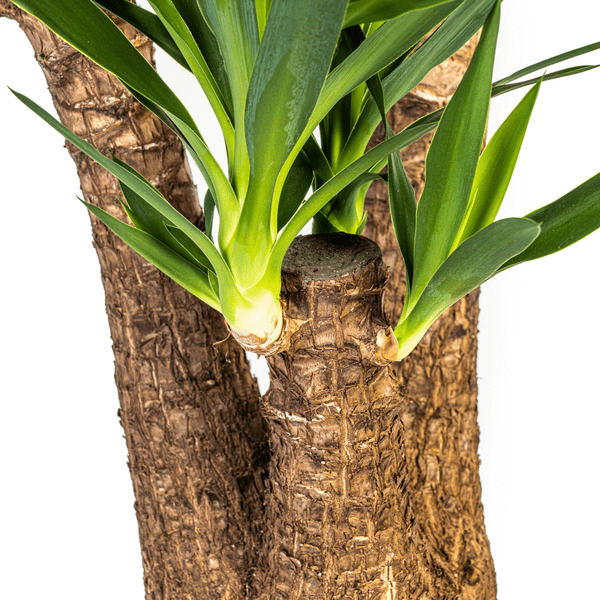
x=440 y=411
x=339 y=503
x=197 y=442
x=189 y=408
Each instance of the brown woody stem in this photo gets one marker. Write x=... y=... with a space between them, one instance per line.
x=338 y=478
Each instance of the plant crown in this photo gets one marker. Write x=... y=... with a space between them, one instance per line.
x=277 y=71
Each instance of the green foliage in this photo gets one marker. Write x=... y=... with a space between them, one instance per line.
x=274 y=71
x=472 y=263
x=452 y=160
x=495 y=168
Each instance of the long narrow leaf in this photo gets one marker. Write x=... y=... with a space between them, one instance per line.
x=369 y=11
x=218 y=183
x=564 y=221
x=499 y=89
x=147 y=23
x=187 y=275
x=452 y=160
x=262 y=13
x=472 y=263
x=387 y=43
x=403 y=204
x=453 y=33
x=146 y=218
x=334 y=186
x=209 y=213
x=403 y=209
x=83 y=25
x=139 y=185
x=495 y=168
x=180 y=32
x=235 y=28
x=286 y=76
x=209 y=47
x=346 y=212
x=295 y=189
x=229 y=294
x=548 y=62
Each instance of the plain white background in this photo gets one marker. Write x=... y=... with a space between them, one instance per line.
x=67 y=519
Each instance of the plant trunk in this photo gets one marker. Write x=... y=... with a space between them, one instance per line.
x=189 y=404
x=198 y=445
x=440 y=377
x=342 y=525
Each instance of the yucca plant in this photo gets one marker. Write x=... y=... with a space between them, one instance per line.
x=270 y=95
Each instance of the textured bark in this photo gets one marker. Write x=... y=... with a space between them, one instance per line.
x=440 y=411
x=339 y=508
x=338 y=502
x=189 y=409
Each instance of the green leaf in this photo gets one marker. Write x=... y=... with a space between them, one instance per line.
x=346 y=212
x=472 y=263
x=185 y=40
x=433 y=117
x=83 y=25
x=389 y=41
x=334 y=186
x=235 y=28
x=495 y=168
x=403 y=204
x=140 y=186
x=147 y=23
x=291 y=66
x=220 y=188
x=564 y=221
x=186 y=274
x=182 y=244
x=452 y=160
x=146 y=218
x=403 y=209
x=369 y=11
x=208 y=45
x=548 y=62
x=211 y=171
x=452 y=34
x=499 y=89
x=295 y=188
x=262 y=13
x=209 y=213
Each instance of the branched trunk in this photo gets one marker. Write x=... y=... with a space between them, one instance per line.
x=394 y=511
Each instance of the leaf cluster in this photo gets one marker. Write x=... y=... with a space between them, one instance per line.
x=298 y=89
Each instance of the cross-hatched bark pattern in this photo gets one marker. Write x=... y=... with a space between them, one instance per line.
x=189 y=409
x=440 y=412
x=339 y=502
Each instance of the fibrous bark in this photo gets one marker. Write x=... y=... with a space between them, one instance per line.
x=339 y=508
x=189 y=408
x=440 y=411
